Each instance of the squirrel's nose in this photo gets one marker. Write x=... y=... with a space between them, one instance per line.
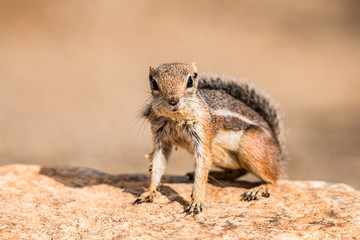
x=173 y=102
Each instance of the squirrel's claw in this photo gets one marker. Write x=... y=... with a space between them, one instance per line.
x=250 y=195
x=145 y=197
x=195 y=207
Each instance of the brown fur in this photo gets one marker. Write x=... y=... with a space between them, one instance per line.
x=214 y=126
x=258 y=152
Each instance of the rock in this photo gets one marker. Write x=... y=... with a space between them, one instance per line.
x=79 y=203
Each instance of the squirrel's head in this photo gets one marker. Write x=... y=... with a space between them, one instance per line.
x=173 y=87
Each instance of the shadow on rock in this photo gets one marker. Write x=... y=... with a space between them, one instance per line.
x=78 y=177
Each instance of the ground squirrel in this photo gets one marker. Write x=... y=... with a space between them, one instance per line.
x=222 y=122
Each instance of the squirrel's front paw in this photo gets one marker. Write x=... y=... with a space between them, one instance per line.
x=145 y=197
x=195 y=207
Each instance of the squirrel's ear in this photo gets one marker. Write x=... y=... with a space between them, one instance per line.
x=194 y=67
x=151 y=70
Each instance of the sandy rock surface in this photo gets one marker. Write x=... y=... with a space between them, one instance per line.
x=79 y=203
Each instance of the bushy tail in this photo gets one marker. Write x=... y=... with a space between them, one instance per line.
x=256 y=99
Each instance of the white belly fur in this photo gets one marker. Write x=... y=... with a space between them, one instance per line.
x=225 y=148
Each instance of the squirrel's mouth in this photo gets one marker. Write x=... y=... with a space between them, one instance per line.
x=175 y=109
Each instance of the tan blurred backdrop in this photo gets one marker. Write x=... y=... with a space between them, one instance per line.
x=73 y=76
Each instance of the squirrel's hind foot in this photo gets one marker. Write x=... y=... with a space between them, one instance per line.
x=255 y=194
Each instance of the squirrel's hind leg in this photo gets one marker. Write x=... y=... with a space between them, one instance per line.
x=260 y=155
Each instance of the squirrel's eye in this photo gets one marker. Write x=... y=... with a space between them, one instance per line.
x=154 y=85
x=189 y=82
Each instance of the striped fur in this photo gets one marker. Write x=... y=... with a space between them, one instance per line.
x=255 y=98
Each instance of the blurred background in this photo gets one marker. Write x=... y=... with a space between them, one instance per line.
x=74 y=75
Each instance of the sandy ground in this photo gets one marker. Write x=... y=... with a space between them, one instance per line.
x=73 y=77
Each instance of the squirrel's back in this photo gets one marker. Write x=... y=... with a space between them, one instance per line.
x=252 y=97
